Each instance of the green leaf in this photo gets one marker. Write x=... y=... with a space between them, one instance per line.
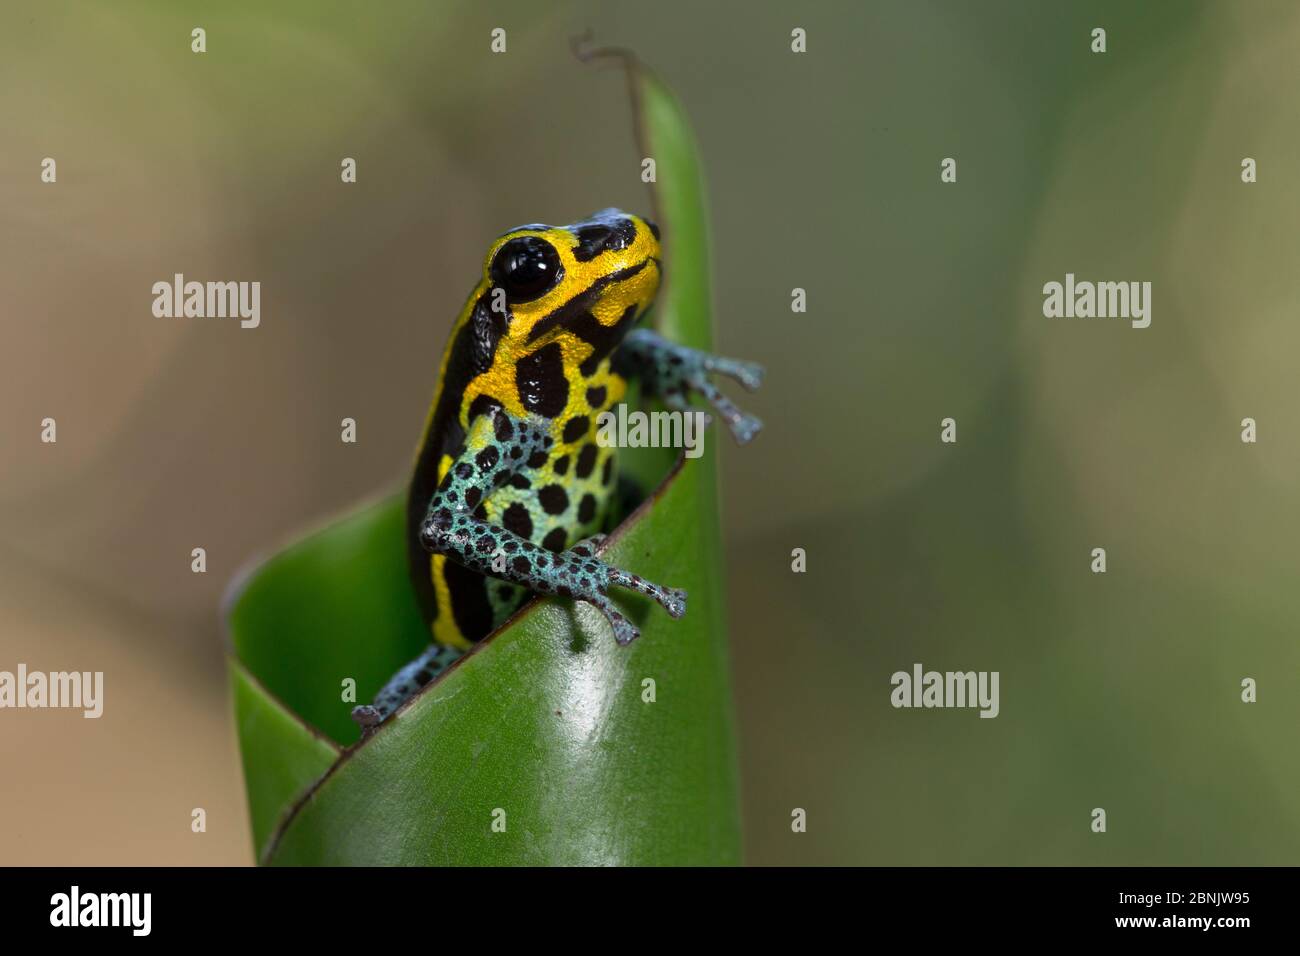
x=546 y=729
x=282 y=755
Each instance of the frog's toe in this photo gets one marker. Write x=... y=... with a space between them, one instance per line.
x=748 y=374
x=673 y=600
x=625 y=632
x=745 y=427
x=742 y=425
x=366 y=717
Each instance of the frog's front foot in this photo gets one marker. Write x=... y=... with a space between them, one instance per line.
x=742 y=425
x=674 y=371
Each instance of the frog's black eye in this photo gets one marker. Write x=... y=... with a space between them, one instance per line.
x=527 y=268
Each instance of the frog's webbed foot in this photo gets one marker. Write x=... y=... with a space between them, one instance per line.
x=742 y=425
x=585 y=578
x=674 y=371
x=673 y=600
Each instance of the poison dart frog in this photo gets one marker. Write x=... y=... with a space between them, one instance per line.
x=511 y=488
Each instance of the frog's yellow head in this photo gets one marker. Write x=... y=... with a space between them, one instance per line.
x=582 y=286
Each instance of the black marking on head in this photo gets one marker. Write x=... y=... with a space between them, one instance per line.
x=572 y=310
x=586 y=461
x=603 y=236
x=596 y=396
x=483 y=405
x=587 y=509
x=603 y=339
x=536 y=459
x=486 y=328
x=561 y=465
x=543 y=389
x=555 y=540
x=607 y=475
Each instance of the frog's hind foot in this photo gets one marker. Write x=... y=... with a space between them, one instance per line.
x=404 y=685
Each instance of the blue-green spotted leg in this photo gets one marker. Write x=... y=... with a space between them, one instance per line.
x=405 y=683
x=588 y=547
x=452 y=528
x=673 y=371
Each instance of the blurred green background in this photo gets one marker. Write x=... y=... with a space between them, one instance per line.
x=924 y=302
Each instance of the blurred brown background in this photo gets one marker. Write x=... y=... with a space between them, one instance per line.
x=1118 y=691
